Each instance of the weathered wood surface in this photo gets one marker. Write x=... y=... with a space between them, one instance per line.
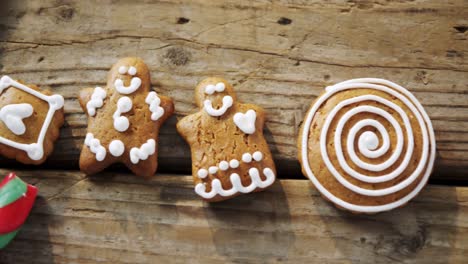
x=279 y=54
x=120 y=218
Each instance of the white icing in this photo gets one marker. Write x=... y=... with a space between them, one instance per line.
x=121 y=88
x=124 y=105
x=256 y=182
x=213 y=169
x=154 y=102
x=97 y=100
x=116 y=148
x=211 y=89
x=132 y=70
x=257 y=156
x=35 y=150
x=227 y=102
x=368 y=143
x=246 y=157
x=234 y=163
x=246 y=122
x=223 y=165
x=95 y=146
x=142 y=153
x=202 y=173
x=12 y=116
x=123 y=69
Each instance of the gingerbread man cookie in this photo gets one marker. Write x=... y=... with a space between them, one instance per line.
x=30 y=120
x=229 y=153
x=123 y=120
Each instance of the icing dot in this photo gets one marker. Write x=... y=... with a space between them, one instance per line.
x=369 y=139
x=234 y=163
x=124 y=104
x=35 y=151
x=219 y=87
x=116 y=148
x=210 y=89
x=121 y=123
x=223 y=165
x=132 y=71
x=213 y=169
x=246 y=157
x=56 y=101
x=122 y=69
x=258 y=156
x=202 y=173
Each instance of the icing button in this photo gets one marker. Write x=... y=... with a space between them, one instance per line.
x=223 y=165
x=234 y=163
x=116 y=148
x=246 y=157
x=213 y=169
x=257 y=156
x=202 y=173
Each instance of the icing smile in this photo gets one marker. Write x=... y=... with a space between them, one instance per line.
x=227 y=102
x=134 y=83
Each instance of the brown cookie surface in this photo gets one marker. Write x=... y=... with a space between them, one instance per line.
x=229 y=153
x=124 y=119
x=30 y=120
x=367 y=145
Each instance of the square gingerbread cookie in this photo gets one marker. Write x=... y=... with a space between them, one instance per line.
x=30 y=120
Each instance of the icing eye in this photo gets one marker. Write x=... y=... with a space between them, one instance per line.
x=210 y=89
x=132 y=70
x=122 y=69
x=219 y=87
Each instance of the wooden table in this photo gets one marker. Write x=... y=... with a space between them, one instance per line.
x=279 y=55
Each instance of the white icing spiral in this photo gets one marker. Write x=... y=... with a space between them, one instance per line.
x=368 y=143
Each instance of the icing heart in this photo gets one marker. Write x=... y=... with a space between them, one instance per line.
x=12 y=115
x=246 y=122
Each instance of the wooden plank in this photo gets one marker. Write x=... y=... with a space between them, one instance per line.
x=278 y=55
x=120 y=218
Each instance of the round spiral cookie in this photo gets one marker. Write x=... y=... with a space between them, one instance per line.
x=367 y=145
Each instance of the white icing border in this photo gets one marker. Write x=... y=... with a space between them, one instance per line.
x=142 y=153
x=95 y=147
x=154 y=105
x=372 y=83
x=216 y=187
x=97 y=100
x=35 y=150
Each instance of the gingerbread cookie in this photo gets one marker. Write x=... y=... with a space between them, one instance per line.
x=124 y=120
x=229 y=153
x=30 y=120
x=16 y=201
x=367 y=145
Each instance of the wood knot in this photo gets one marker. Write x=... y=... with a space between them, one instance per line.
x=178 y=56
x=182 y=20
x=461 y=29
x=66 y=12
x=284 y=21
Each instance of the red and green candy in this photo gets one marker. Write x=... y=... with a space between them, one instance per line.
x=16 y=201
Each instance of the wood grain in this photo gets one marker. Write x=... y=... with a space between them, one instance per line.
x=120 y=218
x=278 y=54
